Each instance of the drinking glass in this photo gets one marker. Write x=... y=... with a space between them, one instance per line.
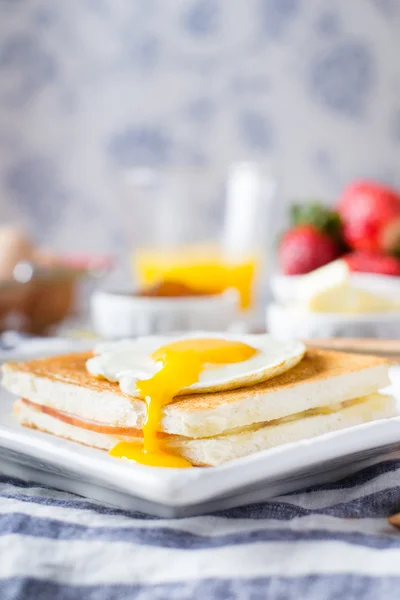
x=188 y=226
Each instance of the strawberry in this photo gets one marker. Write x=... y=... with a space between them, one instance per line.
x=304 y=248
x=370 y=215
x=367 y=262
x=313 y=241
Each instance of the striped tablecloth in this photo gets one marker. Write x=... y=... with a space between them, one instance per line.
x=330 y=542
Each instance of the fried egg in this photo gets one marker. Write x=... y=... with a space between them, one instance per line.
x=129 y=361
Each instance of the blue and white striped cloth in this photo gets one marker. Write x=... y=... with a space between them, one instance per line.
x=328 y=542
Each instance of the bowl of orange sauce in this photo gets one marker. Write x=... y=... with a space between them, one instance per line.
x=162 y=307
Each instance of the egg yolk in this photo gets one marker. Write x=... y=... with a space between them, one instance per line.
x=182 y=363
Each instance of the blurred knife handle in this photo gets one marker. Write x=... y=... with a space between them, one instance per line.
x=378 y=347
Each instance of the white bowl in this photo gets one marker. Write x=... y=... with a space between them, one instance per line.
x=116 y=315
x=287 y=322
x=286 y=288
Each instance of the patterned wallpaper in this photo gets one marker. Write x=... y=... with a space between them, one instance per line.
x=89 y=87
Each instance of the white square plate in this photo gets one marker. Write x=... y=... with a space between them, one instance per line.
x=36 y=456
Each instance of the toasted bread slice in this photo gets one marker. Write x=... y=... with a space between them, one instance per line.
x=322 y=378
x=235 y=444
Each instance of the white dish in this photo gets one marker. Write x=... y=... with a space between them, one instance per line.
x=36 y=456
x=122 y=315
x=36 y=347
x=286 y=288
x=288 y=323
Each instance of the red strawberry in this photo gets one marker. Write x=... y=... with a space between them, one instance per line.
x=370 y=215
x=367 y=262
x=304 y=248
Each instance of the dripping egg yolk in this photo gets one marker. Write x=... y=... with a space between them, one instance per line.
x=182 y=363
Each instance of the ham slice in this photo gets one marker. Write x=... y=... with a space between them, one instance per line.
x=86 y=423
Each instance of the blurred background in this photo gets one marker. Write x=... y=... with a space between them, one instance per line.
x=308 y=89
x=90 y=87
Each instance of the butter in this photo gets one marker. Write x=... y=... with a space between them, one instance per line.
x=329 y=290
x=332 y=275
x=347 y=299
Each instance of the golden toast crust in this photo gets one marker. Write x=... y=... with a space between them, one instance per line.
x=317 y=365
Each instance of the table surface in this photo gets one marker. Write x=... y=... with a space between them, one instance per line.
x=328 y=542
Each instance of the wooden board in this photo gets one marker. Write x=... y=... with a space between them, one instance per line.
x=387 y=348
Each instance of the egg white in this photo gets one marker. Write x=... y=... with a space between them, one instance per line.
x=129 y=361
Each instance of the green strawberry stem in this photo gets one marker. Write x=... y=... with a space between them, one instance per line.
x=322 y=218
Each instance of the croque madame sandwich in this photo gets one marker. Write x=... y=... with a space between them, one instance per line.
x=198 y=400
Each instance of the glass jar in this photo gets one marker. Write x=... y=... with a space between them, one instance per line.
x=187 y=226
